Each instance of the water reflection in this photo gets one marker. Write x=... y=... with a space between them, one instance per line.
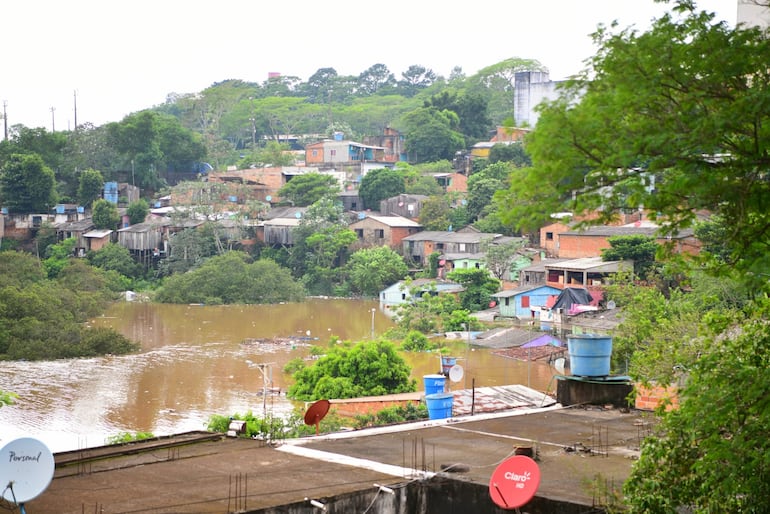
x=194 y=364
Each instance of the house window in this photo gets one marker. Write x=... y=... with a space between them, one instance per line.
x=379 y=233
x=525 y=301
x=360 y=233
x=439 y=246
x=353 y=206
x=333 y=152
x=478 y=265
x=462 y=247
x=549 y=236
x=314 y=153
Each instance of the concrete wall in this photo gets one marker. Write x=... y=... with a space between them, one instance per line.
x=439 y=494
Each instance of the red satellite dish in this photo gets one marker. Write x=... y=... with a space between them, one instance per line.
x=316 y=412
x=514 y=482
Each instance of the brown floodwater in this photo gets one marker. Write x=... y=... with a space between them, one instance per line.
x=197 y=361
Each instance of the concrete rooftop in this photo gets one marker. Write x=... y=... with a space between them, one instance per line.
x=202 y=473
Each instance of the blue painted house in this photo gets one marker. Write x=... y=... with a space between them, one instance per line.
x=525 y=302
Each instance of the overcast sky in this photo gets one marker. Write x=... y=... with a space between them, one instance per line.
x=118 y=57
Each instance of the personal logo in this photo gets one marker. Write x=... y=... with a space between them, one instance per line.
x=514 y=482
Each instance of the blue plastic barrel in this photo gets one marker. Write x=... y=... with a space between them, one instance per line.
x=439 y=405
x=434 y=383
x=589 y=354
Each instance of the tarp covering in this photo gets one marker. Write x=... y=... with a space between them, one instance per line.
x=572 y=296
x=543 y=340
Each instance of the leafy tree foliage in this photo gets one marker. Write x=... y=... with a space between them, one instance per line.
x=115 y=258
x=500 y=256
x=432 y=134
x=428 y=314
x=435 y=213
x=137 y=211
x=374 y=79
x=151 y=144
x=380 y=184
x=369 y=368
x=105 y=214
x=90 y=186
x=370 y=270
x=709 y=454
x=302 y=190
x=27 y=185
x=232 y=278
x=479 y=287
x=414 y=79
x=42 y=318
x=514 y=153
x=657 y=119
x=636 y=247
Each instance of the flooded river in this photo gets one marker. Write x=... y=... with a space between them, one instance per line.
x=194 y=363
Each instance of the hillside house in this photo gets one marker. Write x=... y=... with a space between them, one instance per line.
x=340 y=151
x=587 y=272
x=97 y=239
x=405 y=205
x=76 y=230
x=392 y=142
x=590 y=242
x=419 y=247
x=452 y=182
x=535 y=275
x=376 y=230
x=146 y=241
x=278 y=231
x=525 y=302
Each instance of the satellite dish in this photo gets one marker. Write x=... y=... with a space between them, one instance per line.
x=269 y=198
x=456 y=373
x=361 y=215
x=514 y=482
x=298 y=215
x=611 y=305
x=316 y=412
x=559 y=365
x=26 y=469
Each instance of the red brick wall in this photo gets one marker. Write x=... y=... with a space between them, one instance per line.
x=576 y=247
x=651 y=398
x=352 y=409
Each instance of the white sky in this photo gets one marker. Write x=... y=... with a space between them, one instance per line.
x=121 y=56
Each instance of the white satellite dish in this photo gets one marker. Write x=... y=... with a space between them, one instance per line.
x=559 y=365
x=26 y=469
x=456 y=373
x=610 y=305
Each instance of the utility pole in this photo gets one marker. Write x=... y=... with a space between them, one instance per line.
x=5 y=119
x=53 y=119
x=75 y=94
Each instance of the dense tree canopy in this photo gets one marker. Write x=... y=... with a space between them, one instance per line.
x=369 y=368
x=232 y=278
x=42 y=318
x=27 y=185
x=302 y=190
x=663 y=120
x=370 y=270
x=380 y=184
x=710 y=454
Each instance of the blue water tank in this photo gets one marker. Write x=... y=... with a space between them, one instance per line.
x=589 y=354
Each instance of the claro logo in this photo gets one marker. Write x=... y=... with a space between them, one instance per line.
x=520 y=479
